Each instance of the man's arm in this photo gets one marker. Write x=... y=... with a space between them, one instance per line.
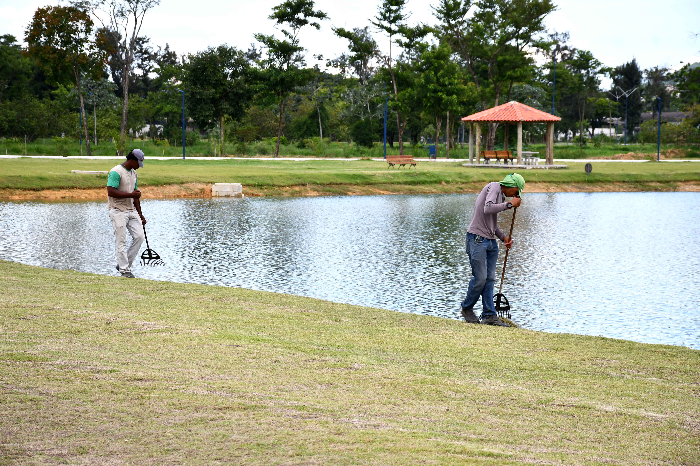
x=114 y=192
x=492 y=203
x=137 y=205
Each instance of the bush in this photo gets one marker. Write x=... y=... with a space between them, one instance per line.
x=693 y=154
x=61 y=145
x=362 y=133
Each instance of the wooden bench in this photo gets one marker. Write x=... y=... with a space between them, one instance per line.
x=400 y=160
x=504 y=155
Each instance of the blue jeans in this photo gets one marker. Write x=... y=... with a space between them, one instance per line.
x=483 y=255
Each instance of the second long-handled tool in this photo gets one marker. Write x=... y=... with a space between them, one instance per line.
x=149 y=257
x=499 y=300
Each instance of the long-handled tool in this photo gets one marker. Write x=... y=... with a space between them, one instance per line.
x=499 y=300
x=149 y=257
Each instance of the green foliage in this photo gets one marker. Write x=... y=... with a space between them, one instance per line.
x=362 y=133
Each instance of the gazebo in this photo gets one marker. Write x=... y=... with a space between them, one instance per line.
x=512 y=112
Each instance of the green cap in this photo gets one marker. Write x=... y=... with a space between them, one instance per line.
x=514 y=181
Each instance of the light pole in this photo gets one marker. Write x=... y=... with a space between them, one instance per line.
x=626 y=94
x=554 y=79
x=658 y=136
x=617 y=105
x=183 y=123
x=386 y=105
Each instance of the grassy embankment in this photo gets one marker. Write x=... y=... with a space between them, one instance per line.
x=101 y=370
x=25 y=177
x=315 y=148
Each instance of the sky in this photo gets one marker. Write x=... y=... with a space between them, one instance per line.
x=615 y=31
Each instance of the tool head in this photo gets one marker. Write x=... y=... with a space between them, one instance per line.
x=151 y=258
x=502 y=305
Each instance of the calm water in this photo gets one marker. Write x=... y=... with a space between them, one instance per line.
x=622 y=265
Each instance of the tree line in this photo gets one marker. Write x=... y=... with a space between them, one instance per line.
x=88 y=71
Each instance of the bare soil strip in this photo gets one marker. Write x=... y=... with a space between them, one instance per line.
x=203 y=191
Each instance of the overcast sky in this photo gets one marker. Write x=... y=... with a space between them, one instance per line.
x=616 y=31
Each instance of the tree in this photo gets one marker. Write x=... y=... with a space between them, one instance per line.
x=586 y=71
x=627 y=77
x=121 y=21
x=282 y=69
x=15 y=70
x=493 y=38
x=216 y=83
x=61 y=40
x=441 y=87
x=687 y=81
x=656 y=86
x=391 y=19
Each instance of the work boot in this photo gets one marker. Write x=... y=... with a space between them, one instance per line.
x=469 y=316
x=493 y=320
x=128 y=275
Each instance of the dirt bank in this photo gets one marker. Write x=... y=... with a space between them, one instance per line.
x=199 y=190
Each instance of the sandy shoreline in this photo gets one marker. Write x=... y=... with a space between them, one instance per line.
x=203 y=191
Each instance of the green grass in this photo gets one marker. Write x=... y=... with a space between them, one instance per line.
x=103 y=370
x=314 y=148
x=37 y=174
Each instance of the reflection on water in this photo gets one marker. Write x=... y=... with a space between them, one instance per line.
x=623 y=265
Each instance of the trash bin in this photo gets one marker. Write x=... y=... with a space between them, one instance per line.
x=431 y=151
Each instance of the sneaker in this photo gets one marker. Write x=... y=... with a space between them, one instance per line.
x=493 y=320
x=128 y=275
x=469 y=316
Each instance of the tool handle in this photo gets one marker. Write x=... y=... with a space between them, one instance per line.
x=505 y=261
x=148 y=247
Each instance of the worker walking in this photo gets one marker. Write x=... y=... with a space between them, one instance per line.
x=125 y=210
x=482 y=246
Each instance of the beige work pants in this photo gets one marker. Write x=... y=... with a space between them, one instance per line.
x=123 y=221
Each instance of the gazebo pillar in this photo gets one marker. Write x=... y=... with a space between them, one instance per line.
x=478 y=142
x=550 y=143
x=520 y=142
x=471 y=142
x=505 y=139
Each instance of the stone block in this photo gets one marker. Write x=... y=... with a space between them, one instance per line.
x=227 y=190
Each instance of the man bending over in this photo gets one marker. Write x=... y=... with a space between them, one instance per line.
x=482 y=247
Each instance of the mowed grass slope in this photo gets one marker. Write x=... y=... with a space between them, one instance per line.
x=39 y=174
x=104 y=370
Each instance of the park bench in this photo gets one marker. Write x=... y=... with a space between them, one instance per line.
x=504 y=155
x=400 y=160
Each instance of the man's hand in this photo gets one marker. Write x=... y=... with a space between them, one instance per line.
x=136 y=194
x=508 y=241
x=143 y=220
x=515 y=202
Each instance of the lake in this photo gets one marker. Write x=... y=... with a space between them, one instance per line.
x=621 y=265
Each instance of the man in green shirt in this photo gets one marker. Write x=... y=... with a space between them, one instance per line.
x=125 y=210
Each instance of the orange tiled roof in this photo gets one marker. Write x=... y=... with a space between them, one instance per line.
x=512 y=111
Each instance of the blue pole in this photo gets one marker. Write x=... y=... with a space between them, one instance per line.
x=658 y=137
x=625 y=119
x=183 y=124
x=80 y=109
x=386 y=105
x=554 y=81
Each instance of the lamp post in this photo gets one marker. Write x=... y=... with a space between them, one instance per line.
x=554 y=79
x=626 y=94
x=386 y=105
x=183 y=123
x=658 y=136
x=617 y=105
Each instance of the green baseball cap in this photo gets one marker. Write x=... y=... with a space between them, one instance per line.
x=514 y=180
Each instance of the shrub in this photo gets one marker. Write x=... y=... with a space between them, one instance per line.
x=362 y=133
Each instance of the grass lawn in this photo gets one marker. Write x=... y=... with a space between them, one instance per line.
x=333 y=176
x=105 y=370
